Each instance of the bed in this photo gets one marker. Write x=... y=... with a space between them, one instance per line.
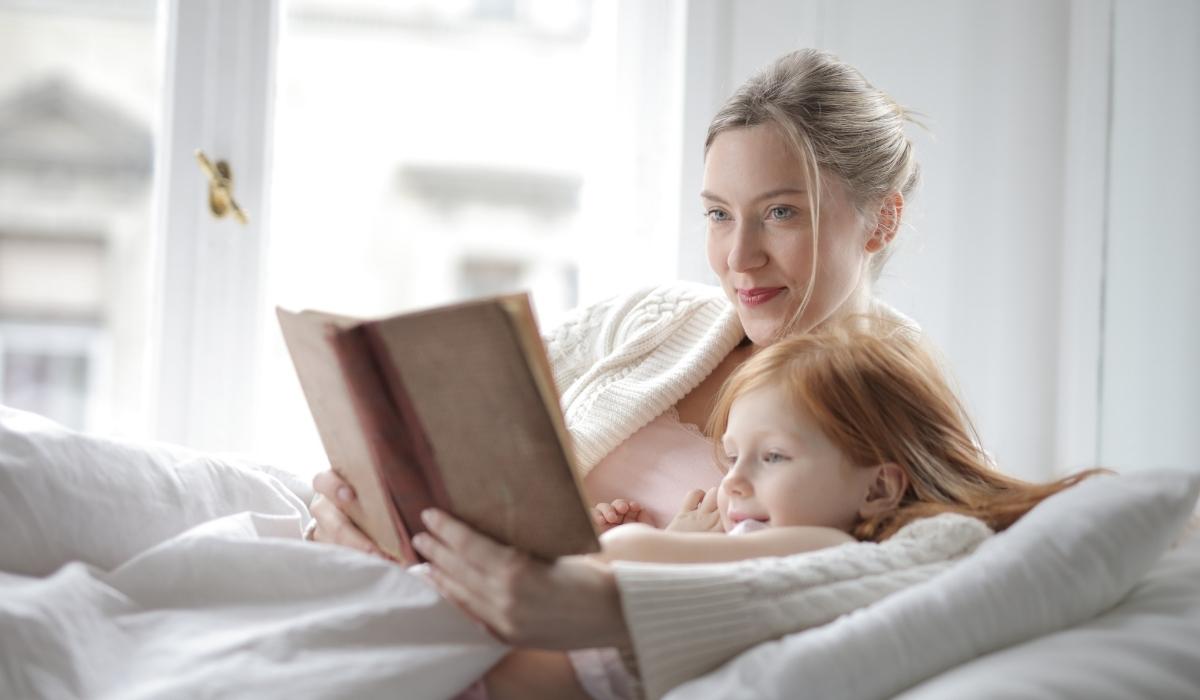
x=146 y=570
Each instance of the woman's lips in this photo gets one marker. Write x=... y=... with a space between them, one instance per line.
x=759 y=295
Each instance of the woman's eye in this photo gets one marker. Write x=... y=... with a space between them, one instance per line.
x=781 y=213
x=716 y=215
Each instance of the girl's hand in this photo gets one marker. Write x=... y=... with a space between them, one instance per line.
x=606 y=516
x=571 y=603
x=331 y=508
x=698 y=513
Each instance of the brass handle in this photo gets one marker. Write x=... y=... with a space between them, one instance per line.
x=220 y=188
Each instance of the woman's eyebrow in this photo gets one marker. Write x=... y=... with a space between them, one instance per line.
x=705 y=194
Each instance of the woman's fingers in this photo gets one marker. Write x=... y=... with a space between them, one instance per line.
x=333 y=487
x=459 y=550
x=692 y=500
x=566 y=604
x=335 y=527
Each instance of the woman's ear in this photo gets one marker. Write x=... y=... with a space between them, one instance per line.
x=885 y=491
x=887 y=222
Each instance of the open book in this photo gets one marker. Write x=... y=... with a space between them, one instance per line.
x=454 y=407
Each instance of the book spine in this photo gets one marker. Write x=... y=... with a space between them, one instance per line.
x=405 y=490
x=417 y=445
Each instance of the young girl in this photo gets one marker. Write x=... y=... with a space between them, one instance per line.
x=851 y=435
x=847 y=435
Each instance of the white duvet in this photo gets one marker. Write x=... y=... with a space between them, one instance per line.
x=149 y=571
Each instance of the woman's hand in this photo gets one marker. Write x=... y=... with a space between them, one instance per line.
x=698 y=513
x=606 y=516
x=571 y=603
x=332 y=507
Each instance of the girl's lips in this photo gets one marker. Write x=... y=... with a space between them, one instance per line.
x=758 y=295
x=736 y=517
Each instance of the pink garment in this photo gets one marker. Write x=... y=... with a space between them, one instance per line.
x=656 y=466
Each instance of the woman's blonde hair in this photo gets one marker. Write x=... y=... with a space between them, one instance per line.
x=880 y=395
x=838 y=125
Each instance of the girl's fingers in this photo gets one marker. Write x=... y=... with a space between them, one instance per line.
x=692 y=500
x=621 y=506
x=610 y=515
x=710 y=500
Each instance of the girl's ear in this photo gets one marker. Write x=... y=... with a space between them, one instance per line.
x=885 y=491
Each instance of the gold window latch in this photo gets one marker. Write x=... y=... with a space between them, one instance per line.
x=220 y=188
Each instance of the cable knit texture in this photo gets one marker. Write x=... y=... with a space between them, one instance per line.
x=685 y=620
x=620 y=363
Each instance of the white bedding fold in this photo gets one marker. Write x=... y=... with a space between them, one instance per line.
x=227 y=610
x=135 y=571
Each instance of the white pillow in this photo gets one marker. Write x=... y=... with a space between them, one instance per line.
x=66 y=496
x=1069 y=559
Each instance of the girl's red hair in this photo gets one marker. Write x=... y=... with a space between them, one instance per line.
x=879 y=394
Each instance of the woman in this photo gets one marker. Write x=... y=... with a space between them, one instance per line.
x=806 y=173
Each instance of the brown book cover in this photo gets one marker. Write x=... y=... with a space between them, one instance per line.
x=453 y=407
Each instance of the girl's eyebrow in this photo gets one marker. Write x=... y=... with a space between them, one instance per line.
x=705 y=194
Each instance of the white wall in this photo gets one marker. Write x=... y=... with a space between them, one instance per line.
x=1150 y=379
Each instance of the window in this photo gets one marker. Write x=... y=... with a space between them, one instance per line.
x=77 y=102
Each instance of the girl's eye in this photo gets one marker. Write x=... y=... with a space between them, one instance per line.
x=773 y=457
x=716 y=215
x=780 y=213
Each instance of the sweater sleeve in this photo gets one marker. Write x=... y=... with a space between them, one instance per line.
x=686 y=620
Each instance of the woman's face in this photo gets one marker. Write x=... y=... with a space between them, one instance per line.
x=760 y=239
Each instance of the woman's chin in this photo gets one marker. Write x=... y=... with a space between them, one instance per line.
x=761 y=331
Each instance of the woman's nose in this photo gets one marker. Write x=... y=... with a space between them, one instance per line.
x=747 y=252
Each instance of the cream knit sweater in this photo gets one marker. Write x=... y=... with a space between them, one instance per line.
x=619 y=364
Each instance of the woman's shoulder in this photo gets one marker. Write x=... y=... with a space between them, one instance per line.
x=647 y=305
x=887 y=312
x=674 y=295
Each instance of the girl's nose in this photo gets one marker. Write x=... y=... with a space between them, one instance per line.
x=735 y=482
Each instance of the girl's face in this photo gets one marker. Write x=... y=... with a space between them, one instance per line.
x=760 y=240
x=782 y=470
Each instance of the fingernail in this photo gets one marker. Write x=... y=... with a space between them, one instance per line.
x=427 y=517
x=419 y=541
x=344 y=493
